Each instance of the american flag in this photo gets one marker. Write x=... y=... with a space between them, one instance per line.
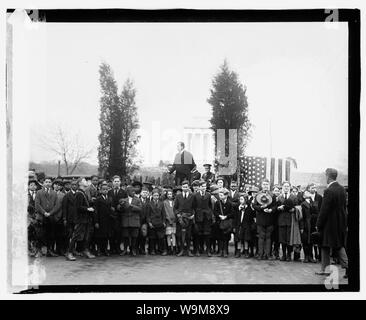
x=254 y=169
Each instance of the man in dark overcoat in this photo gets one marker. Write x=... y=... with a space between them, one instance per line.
x=183 y=164
x=332 y=222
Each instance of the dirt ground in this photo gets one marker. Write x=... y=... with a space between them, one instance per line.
x=116 y=270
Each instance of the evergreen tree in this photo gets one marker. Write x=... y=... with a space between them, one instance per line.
x=229 y=108
x=118 y=122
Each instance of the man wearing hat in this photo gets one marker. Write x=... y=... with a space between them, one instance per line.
x=130 y=209
x=184 y=207
x=138 y=188
x=183 y=164
x=265 y=205
x=45 y=201
x=208 y=176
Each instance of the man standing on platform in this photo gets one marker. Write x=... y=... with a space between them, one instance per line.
x=183 y=164
x=208 y=176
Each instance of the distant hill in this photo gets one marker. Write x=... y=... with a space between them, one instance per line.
x=51 y=168
x=304 y=178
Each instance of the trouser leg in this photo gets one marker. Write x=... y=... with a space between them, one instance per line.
x=325 y=258
x=343 y=258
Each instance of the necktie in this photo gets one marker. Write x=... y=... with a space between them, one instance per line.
x=182 y=158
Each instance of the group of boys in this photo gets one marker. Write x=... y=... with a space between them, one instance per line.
x=76 y=218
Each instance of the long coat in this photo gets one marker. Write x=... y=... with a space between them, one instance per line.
x=332 y=219
x=103 y=216
x=116 y=214
x=82 y=205
x=130 y=213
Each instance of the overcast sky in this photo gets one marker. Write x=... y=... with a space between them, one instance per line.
x=295 y=74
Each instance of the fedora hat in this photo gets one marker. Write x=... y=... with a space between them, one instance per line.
x=263 y=198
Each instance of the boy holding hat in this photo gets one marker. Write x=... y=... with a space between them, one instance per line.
x=265 y=206
x=184 y=207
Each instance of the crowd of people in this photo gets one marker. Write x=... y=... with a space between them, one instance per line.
x=77 y=218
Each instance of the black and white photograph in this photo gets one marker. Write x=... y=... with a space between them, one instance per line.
x=182 y=150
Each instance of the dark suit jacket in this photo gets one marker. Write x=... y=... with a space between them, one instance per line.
x=332 y=219
x=228 y=209
x=285 y=216
x=45 y=203
x=185 y=206
x=82 y=204
x=183 y=165
x=130 y=213
x=69 y=207
x=266 y=218
x=103 y=216
x=203 y=207
x=156 y=214
x=31 y=206
x=144 y=210
x=114 y=199
x=235 y=198
x=318 y=201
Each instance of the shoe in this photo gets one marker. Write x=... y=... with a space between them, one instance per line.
x=288 y=259
x=271 y=258
x=153 y=253
x=124 y=253
x=346 y=274
x=70 y=257
x=106 y=253
x=134 y=253
x=89 y=255
x=306 y=260
x=209 y=254
x=164 y=253
x=50 y=253
x=237 y=254
x=247 y=256
x=190 y=254
x=38 y=254
x=180 y=253
x=283 y=258
x=197 y=254
x=78 y=254
x=225 y=254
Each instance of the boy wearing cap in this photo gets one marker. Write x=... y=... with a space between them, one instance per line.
x=83 y=222
x=156 y=218
x=130 y=209
x=184 y=208
x=45 y=201
x=224 y=213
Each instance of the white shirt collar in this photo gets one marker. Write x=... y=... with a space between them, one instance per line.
x=331 y=183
